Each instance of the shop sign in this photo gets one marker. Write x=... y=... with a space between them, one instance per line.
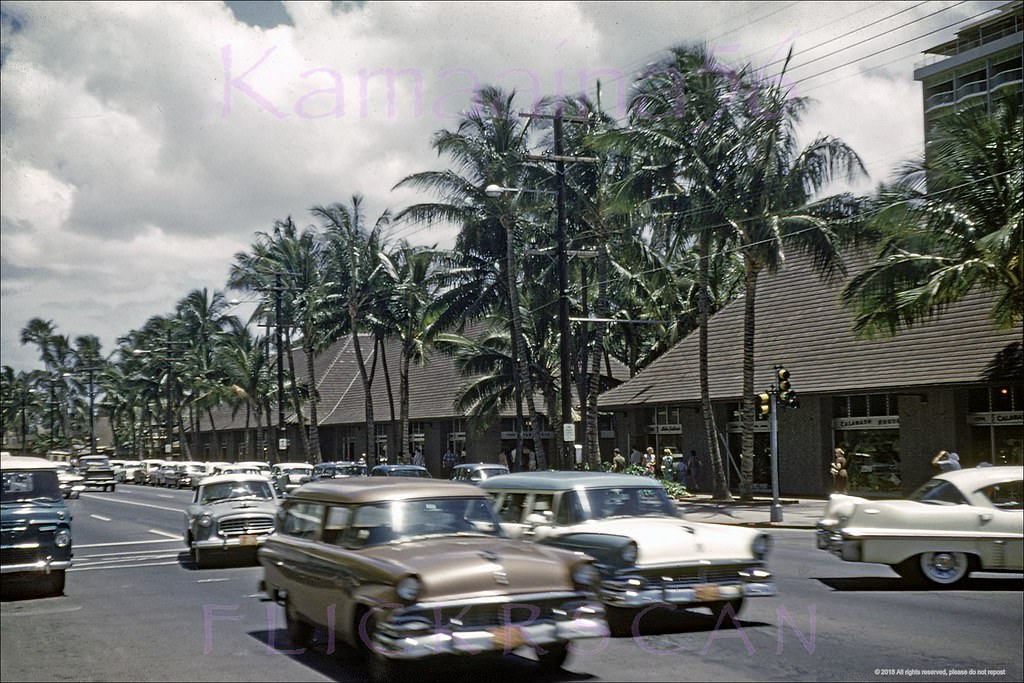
x=665 y=429
x=1008 y=418
x=527 y=434
x=760 y=426
x=884 y=422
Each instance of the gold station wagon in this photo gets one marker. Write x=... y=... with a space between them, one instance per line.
x=407 y=569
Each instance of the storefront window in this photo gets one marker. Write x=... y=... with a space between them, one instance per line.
x=997 y=426
x=867 y=427
x=874 y=459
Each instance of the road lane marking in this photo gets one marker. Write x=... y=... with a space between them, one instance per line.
x=116 y=543
x=133 y=553
x=122 y=566
x=211 y=580
x=164 y=495
x=176 y=537
x=145 y=505
x=101 y=518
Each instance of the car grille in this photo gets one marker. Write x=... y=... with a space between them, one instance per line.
x=246 y=525
x=481 y=616
x=690 y=576
x=18 y=555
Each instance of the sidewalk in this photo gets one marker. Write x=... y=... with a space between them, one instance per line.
x=796 y=513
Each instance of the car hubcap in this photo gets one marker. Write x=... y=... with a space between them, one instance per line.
x=944 y=567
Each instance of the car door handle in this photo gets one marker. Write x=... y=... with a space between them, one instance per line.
x=985 y=517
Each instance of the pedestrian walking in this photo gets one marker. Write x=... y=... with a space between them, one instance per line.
x=447 y=463
x=682 y=472
x=693 y=467
x=946 y=461
x=840 y=472
x=650 y=462
x=618 y=462
x=667 y=470
x=636 y=457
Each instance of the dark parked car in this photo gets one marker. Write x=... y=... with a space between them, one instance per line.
x=35 y=524
x=414 y=569
x=400 y=471
x=339 y=470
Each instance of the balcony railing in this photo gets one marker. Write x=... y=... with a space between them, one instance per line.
x=971 y=90
x=939 y=99
x=1004 y=77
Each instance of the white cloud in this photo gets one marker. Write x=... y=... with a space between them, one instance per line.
x=143 y=145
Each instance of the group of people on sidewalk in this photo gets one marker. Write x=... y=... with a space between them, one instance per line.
x=672 y=466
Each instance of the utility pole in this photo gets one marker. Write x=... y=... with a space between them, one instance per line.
x=565 y=458
x=568 y=424
x=282 y=442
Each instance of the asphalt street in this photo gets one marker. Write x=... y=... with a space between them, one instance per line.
x=136 y=609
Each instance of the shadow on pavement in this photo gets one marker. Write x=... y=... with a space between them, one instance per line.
x=874 y=583
x=339 y=662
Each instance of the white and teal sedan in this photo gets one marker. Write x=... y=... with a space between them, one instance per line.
x=647 y=554
x=955 y=523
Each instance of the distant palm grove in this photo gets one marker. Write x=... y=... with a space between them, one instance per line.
x=681 y=207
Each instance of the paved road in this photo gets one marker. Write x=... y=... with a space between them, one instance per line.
x=135 y=609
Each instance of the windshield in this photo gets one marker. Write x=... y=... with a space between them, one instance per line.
x=93 y=462
x=21 y=486
x=231 y=490
x=588 y=504
x=413 y=519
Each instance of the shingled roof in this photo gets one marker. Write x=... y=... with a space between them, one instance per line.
x=801 y=324
x=432 y=387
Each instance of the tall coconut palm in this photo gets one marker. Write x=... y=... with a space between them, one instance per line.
x=352 y=258
x=773 y=207
x=681 y=121
x=412 y=282
x=950 y=222
x=487 y=148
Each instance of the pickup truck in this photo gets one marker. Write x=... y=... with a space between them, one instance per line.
x=97 y=472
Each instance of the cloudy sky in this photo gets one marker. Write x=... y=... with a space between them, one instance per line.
x=143 y=144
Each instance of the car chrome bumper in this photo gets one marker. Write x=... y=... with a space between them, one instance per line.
x=40 y=566
x=631 y=592
x=835 y=542
x=231 y=542
x=418 y=640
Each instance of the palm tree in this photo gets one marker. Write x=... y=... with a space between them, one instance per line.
x=353 y=260
x=681 y=121
x=487 y=148
x=772 y=205
x=951 y=222
x=411 y=284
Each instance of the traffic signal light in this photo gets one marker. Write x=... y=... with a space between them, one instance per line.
x=787 y=396
x=763 y=405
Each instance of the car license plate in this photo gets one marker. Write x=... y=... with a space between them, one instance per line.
x=706 y=592
x=510 y=637
x=247 y=539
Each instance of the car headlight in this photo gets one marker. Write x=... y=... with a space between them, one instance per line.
x=630 y=552
x=584 y=575
x=205 y=520
x=761 y=545
x=62 y=539
x=408 y=589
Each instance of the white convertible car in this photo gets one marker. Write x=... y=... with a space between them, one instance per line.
x=956 y=523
